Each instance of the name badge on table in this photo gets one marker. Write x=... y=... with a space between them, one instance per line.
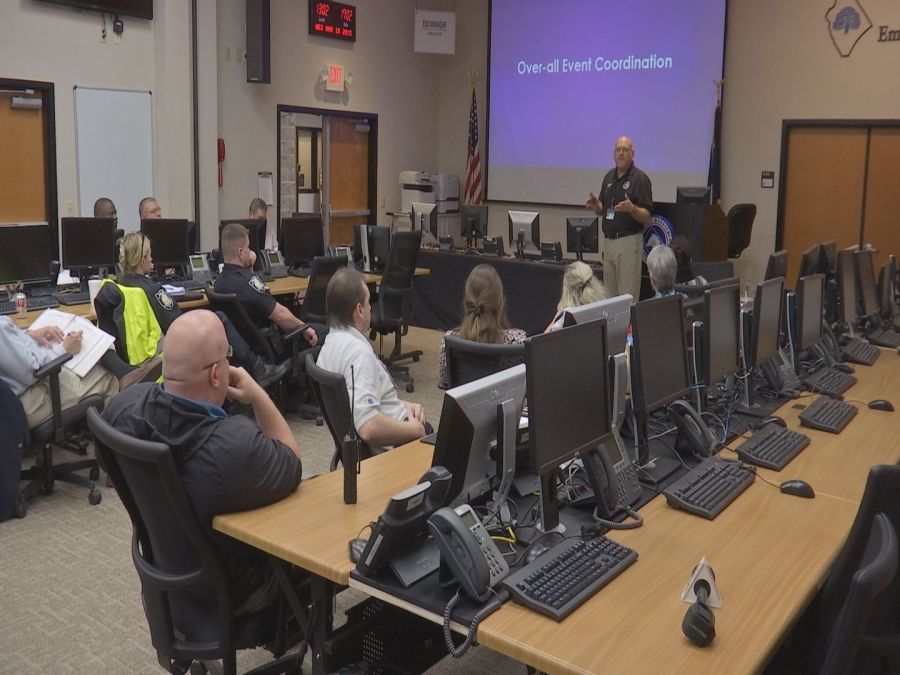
x=610 y=214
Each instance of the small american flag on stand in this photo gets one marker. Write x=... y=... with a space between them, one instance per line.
x=472 y=190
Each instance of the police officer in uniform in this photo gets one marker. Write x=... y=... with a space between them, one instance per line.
x=136 y=262
x=237 y=277
x=624 y=205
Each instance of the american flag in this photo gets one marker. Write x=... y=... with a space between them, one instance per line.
x=472 y=191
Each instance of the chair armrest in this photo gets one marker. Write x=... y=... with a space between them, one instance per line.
x=52 y=368
x=294 y=333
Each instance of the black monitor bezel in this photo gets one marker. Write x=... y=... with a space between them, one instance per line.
x=590 y=243
x=865 y=283
x=478 y=213
x=314 y=224
x=153 y=223
x=109 y=260
x=693 y=194
x=42 y=246
x=846 y=272
x=710 y=328
x=757 y=359
x=802 y=344
x=638 y=361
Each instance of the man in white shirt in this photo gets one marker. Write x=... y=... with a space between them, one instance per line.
x=380 y=417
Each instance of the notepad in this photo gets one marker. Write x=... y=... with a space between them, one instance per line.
x=94 y=342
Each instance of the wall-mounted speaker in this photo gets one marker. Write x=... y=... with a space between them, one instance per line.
x=259 y=64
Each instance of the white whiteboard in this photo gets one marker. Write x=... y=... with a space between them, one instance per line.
x=114 y=150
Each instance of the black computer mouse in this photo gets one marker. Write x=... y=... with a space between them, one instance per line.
x=798 y=488
x=844 y=367
x=356 y=547
x=881 y=404
x=536 y=550
x=773 y=419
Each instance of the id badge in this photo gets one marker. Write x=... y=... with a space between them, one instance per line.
x=610 y=214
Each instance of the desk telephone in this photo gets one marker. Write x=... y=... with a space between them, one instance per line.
x=272 y=264
x=468 y=554
x=693 y=434
x=615 y=483
x=200 y=271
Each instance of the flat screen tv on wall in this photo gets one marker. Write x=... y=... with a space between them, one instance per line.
x=139 y=8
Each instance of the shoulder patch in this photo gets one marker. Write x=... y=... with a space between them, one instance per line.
x=164 y=299
x=256 y=284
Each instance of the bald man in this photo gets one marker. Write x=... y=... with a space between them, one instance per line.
x=624 y=206
x=105 y=208
x=149 y=209
x=225 y=463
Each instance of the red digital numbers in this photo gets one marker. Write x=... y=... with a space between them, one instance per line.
x=332 y=19
x=322 y=9
x=347 y=14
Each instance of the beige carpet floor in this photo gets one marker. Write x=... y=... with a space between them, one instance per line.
x=70 y=597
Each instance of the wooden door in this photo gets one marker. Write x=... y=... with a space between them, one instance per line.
x=883 y=193
x=23 y=177
x=824 y=187
x=348 y=177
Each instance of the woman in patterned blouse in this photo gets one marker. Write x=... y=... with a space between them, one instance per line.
x=484 y=315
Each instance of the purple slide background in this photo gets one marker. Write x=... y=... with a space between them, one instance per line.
x=571 y=120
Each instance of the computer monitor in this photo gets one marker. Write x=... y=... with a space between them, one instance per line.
x=583 y=235
x=88 y=242
x=302 y=239
x=766 y=322
x=616 y=311
x=810 y=305
x=699 y=194
x=474 y=219
x=380 y=245
x=424 y=218
x=865 y=280
x=846 y=276
x=727 y=281
x=168 y=239
x=525 y=222
x=828 y=258
x=886 y=288
x=256 y=231
x=810 y=261
x=470 y=418
x=24 y=253
x=659 y=370
x=568 y=410
x=777 y=265
x=721 y=333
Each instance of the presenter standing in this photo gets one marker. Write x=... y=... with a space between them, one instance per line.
x=624 y=205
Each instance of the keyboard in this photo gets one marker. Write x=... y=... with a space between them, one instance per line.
x=829 y=381
x=40 y=302
x=884 y=338
x=860 y=351
x=773 y=447
x=302 y=272
x=709 y=487
x=191 y=285
x=827 y=414
x=74 y=298
x=565 y=577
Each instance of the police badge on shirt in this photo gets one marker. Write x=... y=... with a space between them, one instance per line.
x=256 y=284
x=165 y=300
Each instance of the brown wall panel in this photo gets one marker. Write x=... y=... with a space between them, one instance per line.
x=882 y=224
x=22 y=175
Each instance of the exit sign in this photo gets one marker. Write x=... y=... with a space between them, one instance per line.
x=334 y=77
x=332 y=19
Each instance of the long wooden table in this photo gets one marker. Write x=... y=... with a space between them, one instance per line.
x=770 y=552
x=284 y=286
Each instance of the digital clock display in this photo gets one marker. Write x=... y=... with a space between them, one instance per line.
x=332 y=19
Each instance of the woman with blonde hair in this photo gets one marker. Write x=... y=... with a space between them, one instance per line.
x=484 y=315
x=579 y=287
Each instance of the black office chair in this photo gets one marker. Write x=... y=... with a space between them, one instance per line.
x=468 y=361
x=268 y=343
x=12 y=440
x=190 y=612
x=740 y=226
x=393 y=309
x=330 y=390
x=59 y=432
x=321 y=271
x=857 y=610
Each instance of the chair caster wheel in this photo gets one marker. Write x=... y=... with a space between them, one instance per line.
x=410 y=387
x=94 y=497
x=319 y=420
x=21 y=508
x=94 y=474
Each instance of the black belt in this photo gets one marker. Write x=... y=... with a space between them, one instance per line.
x=620 y=234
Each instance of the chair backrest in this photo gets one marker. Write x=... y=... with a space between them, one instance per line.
x=397 y=280
x=330 y=390
x=109 y=299
x=253 y=336
x=875 y=572
x=740 y=226
x=321 y=271
x=468 y=361
x=15 y=431
x=882 y=495
x=184 y=581
x=714 y=270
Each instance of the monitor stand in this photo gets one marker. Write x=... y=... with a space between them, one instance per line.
x=549 y=521
x=507 y=428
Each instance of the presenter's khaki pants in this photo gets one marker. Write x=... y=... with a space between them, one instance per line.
x=622 y=265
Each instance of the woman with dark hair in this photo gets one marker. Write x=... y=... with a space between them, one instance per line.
x=682 y=249
x=484 y=315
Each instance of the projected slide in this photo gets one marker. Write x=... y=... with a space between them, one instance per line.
x=568 y=77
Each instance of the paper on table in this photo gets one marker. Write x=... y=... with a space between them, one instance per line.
x=93 y=341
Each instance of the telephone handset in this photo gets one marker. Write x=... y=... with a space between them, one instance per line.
x=200 y=271
x=468 y=554
x=693 y=434
x=273 y=264
x=615 y=483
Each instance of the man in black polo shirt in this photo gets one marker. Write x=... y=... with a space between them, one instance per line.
x=225 y=463
x=624 y=205
x=237 y=277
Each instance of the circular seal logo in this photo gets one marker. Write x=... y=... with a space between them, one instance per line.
x=626 y=185
x=657 y=231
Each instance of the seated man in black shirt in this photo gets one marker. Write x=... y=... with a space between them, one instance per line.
x=237 y=277
x=225 y=463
